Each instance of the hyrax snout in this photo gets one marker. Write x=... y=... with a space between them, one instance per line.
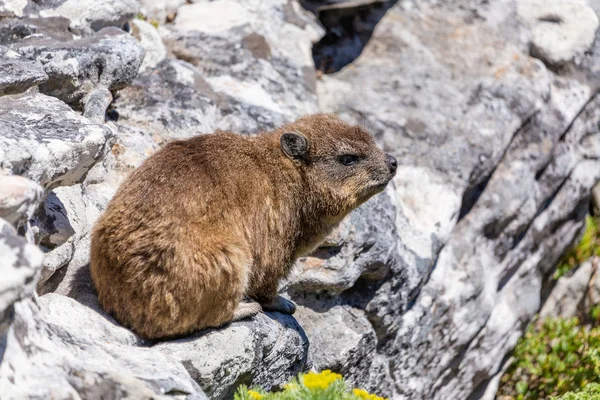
x=206 y=221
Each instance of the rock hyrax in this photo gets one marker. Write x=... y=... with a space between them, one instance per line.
x=207 y=221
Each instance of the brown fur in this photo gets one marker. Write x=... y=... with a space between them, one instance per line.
x=205 y=221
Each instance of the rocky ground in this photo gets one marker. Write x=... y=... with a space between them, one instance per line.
x=492 y=109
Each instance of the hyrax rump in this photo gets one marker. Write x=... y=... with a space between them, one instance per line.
x=206 y=221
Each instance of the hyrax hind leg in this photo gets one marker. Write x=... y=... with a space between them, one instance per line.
x=246 y=310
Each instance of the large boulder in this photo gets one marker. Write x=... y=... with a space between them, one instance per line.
x=78 y=351
x=45 y=141
x=19 y=198
x=16 y=74
x=497 y=154
x=84 y=16
x=266 y=351
x=110 y=60
x=267 y=68
x=20 y=265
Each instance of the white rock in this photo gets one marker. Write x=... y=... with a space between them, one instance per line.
x=19 y=198
x=58 y=348
x=20 y=265
x=266 y=351
x=159 y=10
x=88 y=16
x=561 y=29
x=149 y=38
x=566 y=298
x=47 y=142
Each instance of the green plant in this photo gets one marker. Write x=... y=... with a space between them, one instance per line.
x=325 y=385
x=590 y=392
x=588 y=246
x=152 y=22
x=558 y=357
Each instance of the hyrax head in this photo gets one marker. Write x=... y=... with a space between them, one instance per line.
x=340 y=162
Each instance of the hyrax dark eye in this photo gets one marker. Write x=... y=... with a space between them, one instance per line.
x=348 y=159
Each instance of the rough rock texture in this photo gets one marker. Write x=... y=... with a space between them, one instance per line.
x=574 y=294
x=16 y=74
x=363 y=246
x=420 y=293
x=20 y=264
x=161 y=10
x=109 y=59
x=79 y=352
x=498 y=155
x=267 y=351
x=45 y=141
x=149 y=38
x=64 y=231
x=266 y=67
x=561 y=30
x=85 y=16
x=19 y=197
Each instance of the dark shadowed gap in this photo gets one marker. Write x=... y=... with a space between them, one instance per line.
x=349 y=25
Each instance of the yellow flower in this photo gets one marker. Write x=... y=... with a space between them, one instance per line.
x=321 y=380
x=255 y=395
x=363 y=394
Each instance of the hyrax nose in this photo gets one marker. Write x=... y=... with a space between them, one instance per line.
x=393 y=163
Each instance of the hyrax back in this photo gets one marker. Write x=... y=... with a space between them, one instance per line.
x=205 y=221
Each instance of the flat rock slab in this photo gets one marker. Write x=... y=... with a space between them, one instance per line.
x=84 y=16
x=18 y=75
x=47 y=142
x=59 y=348
x=264 y=66
x=267 y=350
x=109 y=59
x=20 y=265
x=19 y=197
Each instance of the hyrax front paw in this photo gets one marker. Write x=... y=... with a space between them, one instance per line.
x=280 y=304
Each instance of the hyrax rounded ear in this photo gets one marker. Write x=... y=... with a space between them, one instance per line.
x=294 y=145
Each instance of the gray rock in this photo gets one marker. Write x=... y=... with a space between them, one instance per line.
x=266 y=66
x=363 y=246
x=566 y=300
x=60 y=348
x=596 y=198
x=161 y=10
x=267 y=351
x=85 y=16
x=592 y=292
x=20 y=265
x=45 y=141
x=110 y=60
x=497 y=157
x=341 y=337
x=19 y=197
x=68 y=219
x=17 y=75
x=318 y=6
x=560 y=30
x=149 y=38
x=15 y=30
